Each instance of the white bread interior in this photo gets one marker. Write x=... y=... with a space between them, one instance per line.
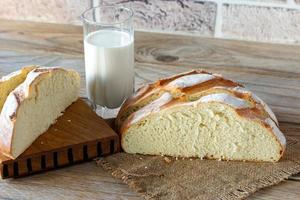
x=34 y=105
x=226 y=122
x=9 y=82
x=209 y=130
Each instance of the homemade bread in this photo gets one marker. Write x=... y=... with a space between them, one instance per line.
x=10 y=82
x=198 y=114
x=34 y=105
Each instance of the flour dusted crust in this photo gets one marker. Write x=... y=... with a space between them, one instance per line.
x=11 y=81
x=26 y=90
x=255 y=97
x=184 y=82
x=209 y=89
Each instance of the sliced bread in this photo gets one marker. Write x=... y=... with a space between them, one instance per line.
x=34 y=105
x=216 y=120
x=9 y=82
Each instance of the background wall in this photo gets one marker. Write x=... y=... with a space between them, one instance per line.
x=257 y=20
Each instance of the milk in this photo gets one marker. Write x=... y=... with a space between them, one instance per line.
x=109 y=67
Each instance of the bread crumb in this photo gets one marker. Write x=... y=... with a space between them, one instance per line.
x=191 y=159
x=220 y=159
x=201 y=158
x=176 y=158
x=146 y=167
x=42 y=142
x=168 y=160
x=69 y=120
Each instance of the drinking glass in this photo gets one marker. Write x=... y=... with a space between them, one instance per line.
x=109 y=57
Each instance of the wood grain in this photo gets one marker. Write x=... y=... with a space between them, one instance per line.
x=270 y=70
x=78 y=135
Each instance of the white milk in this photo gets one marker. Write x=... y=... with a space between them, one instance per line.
x=109 y=67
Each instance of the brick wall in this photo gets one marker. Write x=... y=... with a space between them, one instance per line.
x=52 y=11
x=257 y=20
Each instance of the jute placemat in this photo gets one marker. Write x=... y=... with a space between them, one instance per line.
x=157 y=177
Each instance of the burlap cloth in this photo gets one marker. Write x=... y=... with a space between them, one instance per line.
x=157 y=177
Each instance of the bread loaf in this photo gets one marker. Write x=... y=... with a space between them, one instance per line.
x=198 y=114
x=34 y=105
x=10 y=82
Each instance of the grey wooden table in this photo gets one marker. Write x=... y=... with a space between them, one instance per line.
x=270 y=70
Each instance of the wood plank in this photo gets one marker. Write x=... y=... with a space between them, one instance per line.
x=83 y=181
x=158 y=48
x=37 y=37
x=270 y=70
x=285 y=190
x=191 y=51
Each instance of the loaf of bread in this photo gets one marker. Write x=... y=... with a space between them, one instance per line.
x=34 y=105
x=9 y=82
x=199 y=114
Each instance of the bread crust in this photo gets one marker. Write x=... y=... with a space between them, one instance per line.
x=147 y=90
x=13 y=102
x=162 y=85
x=218 y=82
x=9 y=82
x=16 y=73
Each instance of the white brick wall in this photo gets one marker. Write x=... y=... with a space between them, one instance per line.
x=257 y=20
x=260 y=23
x=52 y=11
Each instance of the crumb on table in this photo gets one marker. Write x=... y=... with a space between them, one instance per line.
x=167 y=160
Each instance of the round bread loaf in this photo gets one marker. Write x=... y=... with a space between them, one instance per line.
x=199 y=114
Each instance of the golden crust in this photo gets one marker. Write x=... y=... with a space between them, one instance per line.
x=161 y=84
x=146 y=91
x=15 y=73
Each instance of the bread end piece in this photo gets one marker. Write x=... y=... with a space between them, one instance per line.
x=34 y=105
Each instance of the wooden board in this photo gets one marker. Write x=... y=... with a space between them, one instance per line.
x=270 y=70
x=78 y=135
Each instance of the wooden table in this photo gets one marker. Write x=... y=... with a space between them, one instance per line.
x=271 y=70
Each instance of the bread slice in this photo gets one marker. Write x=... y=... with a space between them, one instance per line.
x=216 y=122
x=9 y=82
x=34 y=105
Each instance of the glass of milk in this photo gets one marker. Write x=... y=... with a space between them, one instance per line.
x=109 y=57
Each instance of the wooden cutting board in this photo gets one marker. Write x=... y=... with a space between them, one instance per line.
x=78 y=135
